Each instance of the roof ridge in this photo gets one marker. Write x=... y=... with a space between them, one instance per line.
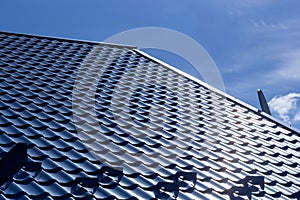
x=69 y=39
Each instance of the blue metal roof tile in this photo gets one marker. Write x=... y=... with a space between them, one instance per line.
x=142 y=182
x=35 y=153
x=65 y=146
x=25 y=115
x=9 y=113
x=4 y=122
x=88 y=167
x=224 y=149
x=22 y=177
x=30 y=107
x=81 y=193
x=2 y=197
x=44 y=178
x=55 y=154
x=50 y=166
x=102 y=193
x=33 y=190
x=140 y=193
x=128 y=183
x=61 y=177
x=13 y=191
x=37 y=124
x=5 y=141
x=56 y=191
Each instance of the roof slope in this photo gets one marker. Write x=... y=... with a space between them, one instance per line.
x=179 y=138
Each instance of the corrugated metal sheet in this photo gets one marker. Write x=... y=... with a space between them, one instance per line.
x=108 y=122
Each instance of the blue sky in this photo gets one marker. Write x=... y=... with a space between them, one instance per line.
x=254 y=43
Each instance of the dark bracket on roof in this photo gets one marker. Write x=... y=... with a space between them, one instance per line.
x=254 y=180
x=240 y=191
x=165 y=190
x=263 y=102
x=85 y=182
x=110 y=176
x=248 y=187
x=296 y=195
x=12 y=162
x=182 y=179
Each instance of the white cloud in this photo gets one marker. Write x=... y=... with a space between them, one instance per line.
x=243 y=6
x=290 y=66
x=277 y=47
x=297 y=117
x=286 y=107
x=261 y=25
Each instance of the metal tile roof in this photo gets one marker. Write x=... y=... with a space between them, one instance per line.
x=180 y=138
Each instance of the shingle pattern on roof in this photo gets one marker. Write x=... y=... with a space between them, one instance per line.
x=223 y=150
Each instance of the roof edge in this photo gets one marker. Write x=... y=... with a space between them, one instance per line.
x=69 y=39
x=218 y=91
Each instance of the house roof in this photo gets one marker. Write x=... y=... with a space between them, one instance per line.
x=87 y=120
